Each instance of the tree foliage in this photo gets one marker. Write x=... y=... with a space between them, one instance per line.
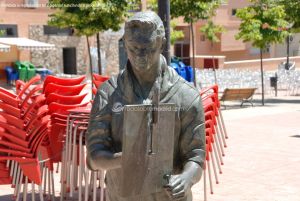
x=175 y=34
x=292 y=10
x=192 y=11
x=2 y=32
x=212 y=31
x=263 y=23
x=89 y=17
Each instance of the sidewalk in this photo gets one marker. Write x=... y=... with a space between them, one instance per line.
x=262 y=161
x=263 y=156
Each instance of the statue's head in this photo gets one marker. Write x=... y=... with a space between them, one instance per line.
x=144 y=40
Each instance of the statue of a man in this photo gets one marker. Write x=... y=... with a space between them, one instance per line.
x=146 y=79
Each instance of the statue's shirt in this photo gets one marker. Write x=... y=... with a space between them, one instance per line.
x=106 y=122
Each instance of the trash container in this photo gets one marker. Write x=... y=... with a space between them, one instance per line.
x=31 y=72
x=22 y=70
x=273 y=82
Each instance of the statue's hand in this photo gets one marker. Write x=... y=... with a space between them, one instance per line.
x=178 y=186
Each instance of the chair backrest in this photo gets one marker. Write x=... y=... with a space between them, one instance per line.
x=67 y=100
x=63 y=90
x=63 y=109
x=63 y=81
x=100 y=77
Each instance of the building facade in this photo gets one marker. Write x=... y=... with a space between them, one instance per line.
x=28 y=18
x=228 y=47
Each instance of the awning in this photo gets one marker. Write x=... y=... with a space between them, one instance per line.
x=4 y=48
x=26 y=44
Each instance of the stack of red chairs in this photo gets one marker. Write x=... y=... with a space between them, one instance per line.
x=61 y=94
x=216 y=134
x=97 y=81
x=24 y=125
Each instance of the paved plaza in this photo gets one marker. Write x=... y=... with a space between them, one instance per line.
x=262 y=161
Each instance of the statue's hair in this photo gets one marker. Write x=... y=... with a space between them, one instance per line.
x=144 y=23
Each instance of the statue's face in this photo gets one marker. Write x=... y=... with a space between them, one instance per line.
x=144 y=53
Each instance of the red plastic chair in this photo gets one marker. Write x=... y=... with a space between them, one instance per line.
x=63 y=81
x=63 y=90
x=97 y=83
x=67 y=100
x=101 y=78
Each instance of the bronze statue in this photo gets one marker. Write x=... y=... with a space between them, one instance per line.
x=147 y=82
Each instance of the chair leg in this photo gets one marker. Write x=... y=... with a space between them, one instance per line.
x=25 y=189
x=204 y=181
x=81 y=164
x=219 y=139
x=210 y=179
x=32 y=191
x=214 y=168
x=94 y=185
x=223 y=124
x=221 y=131
x=218 y=155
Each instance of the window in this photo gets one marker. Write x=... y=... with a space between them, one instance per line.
x=50 y=30
x=182 y=51
x=31 y=3
x=202 y=38
x=256 y=51
x=9 y=30
x=233 y=12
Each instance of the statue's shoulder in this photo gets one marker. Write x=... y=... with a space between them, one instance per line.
x=109 y=86
x=184 y=92
x=183 y=87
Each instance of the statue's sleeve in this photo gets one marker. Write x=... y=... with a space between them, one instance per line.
x=192 y=137
x=99 y=129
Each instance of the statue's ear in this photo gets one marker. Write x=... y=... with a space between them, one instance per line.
x=163 y=44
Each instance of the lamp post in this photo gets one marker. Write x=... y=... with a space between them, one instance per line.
x=289 y=39
x=164 y=14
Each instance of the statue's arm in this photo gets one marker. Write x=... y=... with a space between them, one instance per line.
x=192 y=143
x=100 y=154
x=192 y=151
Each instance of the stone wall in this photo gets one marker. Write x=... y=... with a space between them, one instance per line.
x=109 y=43
x=53 y=59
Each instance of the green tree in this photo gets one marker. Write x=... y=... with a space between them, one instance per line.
x=292 y=10
x=192 y=11
x=174 y=34
x=263 y=23
x=89 y=17
x=2 y=32
x=212 y=32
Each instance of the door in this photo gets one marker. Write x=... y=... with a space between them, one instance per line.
x=69 y=60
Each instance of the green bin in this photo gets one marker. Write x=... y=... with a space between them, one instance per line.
x=31 y=71
x=22 y=70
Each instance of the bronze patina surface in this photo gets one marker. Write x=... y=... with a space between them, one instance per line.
x=147 y=82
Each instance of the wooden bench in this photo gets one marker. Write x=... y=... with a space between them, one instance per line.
x=238 y=94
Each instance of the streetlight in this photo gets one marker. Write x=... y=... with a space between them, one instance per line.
x=289 y=39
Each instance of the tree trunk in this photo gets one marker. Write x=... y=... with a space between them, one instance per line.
x=193 y=49
x=287 y=66
x=262 y=77
x=90 y=64
x=99 y=54
x=214 y=69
